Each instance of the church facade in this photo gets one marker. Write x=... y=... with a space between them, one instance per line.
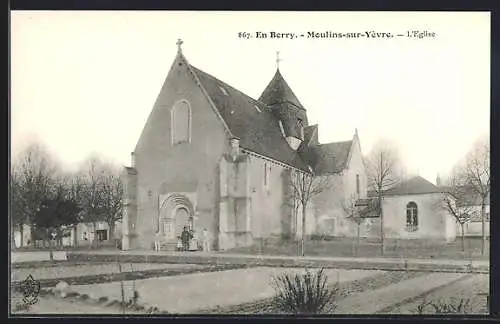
x=210 y=157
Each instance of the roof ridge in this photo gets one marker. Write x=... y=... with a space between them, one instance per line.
x=230 y=86
x=339 y=142
x=208 y=80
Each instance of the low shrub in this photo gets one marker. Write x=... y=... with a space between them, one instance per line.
x=72 y=294
x=103 y=299
x=321 y=237
x=114 y=303
x=84 y=296
x=139 y=307
x=462 y=306
x=305 y=293
x=152 y=310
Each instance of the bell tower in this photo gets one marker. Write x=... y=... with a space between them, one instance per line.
x=289 y=112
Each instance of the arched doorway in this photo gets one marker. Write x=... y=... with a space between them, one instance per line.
x=176 y=211
x=182 y=219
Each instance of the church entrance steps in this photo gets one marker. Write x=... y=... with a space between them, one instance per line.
x=474 y=266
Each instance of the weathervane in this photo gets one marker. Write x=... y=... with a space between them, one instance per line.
x=179 y=43
x=278 y=60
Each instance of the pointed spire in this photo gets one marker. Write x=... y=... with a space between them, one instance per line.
x=278 y=91
x=356 y=132
x=278 y=60
x=179 y=44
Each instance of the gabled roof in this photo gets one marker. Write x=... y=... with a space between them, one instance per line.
x=278 y=91
x=413 y=186
x=465 y=195
x=311 y=135
x=250 y=120
x=329 y=158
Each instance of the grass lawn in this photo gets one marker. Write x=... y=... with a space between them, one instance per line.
x=347 y=247
x=474 y=288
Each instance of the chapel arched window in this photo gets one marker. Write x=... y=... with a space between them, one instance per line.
x=181 y=123
x=411 y=217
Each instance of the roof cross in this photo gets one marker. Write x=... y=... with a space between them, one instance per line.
x=179 y=43
x=278 y=60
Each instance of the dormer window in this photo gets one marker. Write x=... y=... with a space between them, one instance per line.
x=300 y=123
x=281 y=128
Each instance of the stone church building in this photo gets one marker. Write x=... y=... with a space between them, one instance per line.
x=211 y=157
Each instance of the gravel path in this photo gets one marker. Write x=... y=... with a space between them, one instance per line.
x=371 y=302
x=91 y=269
x=474 y=288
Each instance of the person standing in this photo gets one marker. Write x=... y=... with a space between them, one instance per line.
x=157 y=241
x=206 y=244
x=185 y=238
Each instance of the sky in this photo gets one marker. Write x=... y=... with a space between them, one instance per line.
x=85 y=82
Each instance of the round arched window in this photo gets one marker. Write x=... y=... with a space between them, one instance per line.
x=411 y=216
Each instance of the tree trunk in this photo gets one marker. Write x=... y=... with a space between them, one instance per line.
x=302 y=243
x=75 y=235
x=51 y=255
x=111 y=235
x=32 y=232
x=21 y=234
x=94 y=242
x=382 y=249
x=483 y=228
x=357 y=239
x=463 y=237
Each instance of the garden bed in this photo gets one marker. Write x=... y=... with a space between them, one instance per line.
x=474 y=288
x=124 y=276
x=74 y=303
x=266 y=306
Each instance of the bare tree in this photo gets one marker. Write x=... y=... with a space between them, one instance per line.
x=304 y=187
x=33 y=172
x=102 y=193
x=354 y=216
x=462 y=214
x=76 y=191
x=17 y=216
x=475 y=173
x=382 y=172
x=112 y=197
x=92 y=197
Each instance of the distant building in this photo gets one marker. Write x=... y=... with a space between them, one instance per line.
x=83 y=235
x=211 y=157
x=415 y=209
x=467 y=200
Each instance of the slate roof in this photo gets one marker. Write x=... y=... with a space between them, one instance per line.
x=278 y=91
x=465 y=195
x=413 y=186
x=328 y=158
x=257 y=128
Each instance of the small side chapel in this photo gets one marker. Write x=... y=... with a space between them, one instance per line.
x=212 y=158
